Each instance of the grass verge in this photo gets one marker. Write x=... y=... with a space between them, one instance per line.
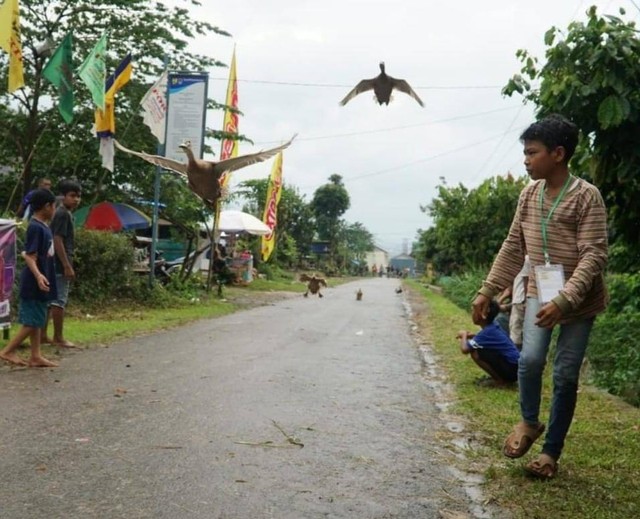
x=599 y=471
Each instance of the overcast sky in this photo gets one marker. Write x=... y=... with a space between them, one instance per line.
x=297 y=59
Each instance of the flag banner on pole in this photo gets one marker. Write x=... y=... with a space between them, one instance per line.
x=229 y=147
x=93 y=71
x=270 y=217
x=154 y=107
x=59 y=72
x=105 y=121
x=10 y=41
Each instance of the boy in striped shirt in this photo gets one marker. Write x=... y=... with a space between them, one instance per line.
x=560 y=222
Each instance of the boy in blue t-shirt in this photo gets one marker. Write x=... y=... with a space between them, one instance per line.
x=492 y=349
x=37 y=282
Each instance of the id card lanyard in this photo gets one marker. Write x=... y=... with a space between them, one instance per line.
x=549 y=278
x=544 y=220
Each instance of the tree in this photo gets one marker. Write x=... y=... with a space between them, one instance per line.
x=33 y=138
x=295 y=225
x=355 y=241
x=591 y=76
x=469 y=225
x=330 y=202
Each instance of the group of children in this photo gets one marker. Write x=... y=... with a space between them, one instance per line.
x=48 y=272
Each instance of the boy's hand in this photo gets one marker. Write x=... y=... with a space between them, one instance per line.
x=461 y=334
x=43 y=283
x=480 y=308
x=549 y=315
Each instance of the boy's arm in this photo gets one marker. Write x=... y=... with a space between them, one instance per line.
x=31 y=261
x=61 y=252
x=464 y=336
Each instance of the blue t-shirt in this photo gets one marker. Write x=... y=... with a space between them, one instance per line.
x=492 y=337
x=39 y=241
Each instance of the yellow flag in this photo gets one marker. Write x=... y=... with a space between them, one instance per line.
x=230 y=123
x=270 y=217
x=10 y=41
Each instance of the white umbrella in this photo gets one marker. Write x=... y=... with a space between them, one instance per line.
x=237 y=221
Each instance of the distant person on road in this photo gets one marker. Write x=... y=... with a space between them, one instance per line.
x=491 y=348
x=62 y=229
x=37 y=282
x=561 y=223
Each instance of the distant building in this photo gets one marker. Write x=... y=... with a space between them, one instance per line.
x=402 y=262
x=377 y=257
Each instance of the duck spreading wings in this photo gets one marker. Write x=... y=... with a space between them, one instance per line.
x=202 y=175
x=313 y=284
x=382 y=85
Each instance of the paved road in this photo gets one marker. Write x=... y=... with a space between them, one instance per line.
x=302 y=409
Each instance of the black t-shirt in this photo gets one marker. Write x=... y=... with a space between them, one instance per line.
x=62 y=225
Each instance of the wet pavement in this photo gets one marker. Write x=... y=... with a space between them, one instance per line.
x=300 y=409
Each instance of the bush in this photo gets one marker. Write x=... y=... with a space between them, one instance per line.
x=462 y=288
x=103 y=263
x=613 y=355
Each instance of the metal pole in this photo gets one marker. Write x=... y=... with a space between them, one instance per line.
x=156 y=204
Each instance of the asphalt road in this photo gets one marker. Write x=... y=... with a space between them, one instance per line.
x=301 y=409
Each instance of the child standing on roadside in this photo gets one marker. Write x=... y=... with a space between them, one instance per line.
x=37 y=282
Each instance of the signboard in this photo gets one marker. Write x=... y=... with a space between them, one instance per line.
x=7 y=270
x=186 y=113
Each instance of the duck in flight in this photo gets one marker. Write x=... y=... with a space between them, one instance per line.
x=382 y=85
x=203 y=176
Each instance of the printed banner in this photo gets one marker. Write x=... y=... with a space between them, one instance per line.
x=154 y=107
x=10 y=41
x=7 y=268
x=270 y=217
x=229 y=147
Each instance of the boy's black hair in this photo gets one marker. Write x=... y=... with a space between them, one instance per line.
x=553 y=131
x=494 y=310
x=40 y=198
x=69 y=186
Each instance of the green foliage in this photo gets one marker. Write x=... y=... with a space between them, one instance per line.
x=330 y=202
x=469 y=225
x=103 y=263
x=590 y=76
x=34 y=140
x=462 y=289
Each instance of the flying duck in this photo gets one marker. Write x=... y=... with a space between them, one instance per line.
x=313 y=284
x=202 y=175
x=382 y=85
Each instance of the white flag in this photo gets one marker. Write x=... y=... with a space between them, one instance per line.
x=107 y=152
x=154 y=107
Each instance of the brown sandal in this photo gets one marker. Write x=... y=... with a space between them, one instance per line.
x=543 y=467
x=521 y=439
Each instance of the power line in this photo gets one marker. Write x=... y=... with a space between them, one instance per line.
x=335 y=85
x=382 y=130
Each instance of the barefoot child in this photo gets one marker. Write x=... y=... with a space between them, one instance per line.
x=37 y=282
x=491 y=348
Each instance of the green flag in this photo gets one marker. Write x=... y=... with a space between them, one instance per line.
x=94 y=71
x=59 y=71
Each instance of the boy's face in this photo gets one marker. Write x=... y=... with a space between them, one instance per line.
x=539 y=161
x=71 y=200
x=48 y=211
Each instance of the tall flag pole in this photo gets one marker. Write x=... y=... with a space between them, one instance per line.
x=270 y=216
x=93 y=71
x=229 y=147
x=59 y=71
x=10 y=41
x=106 y=119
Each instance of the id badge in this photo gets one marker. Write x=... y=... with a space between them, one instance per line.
x=549 y=280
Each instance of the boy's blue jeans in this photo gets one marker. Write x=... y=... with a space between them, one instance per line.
x=570 y=351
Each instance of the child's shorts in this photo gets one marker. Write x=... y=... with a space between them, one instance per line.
x=32 y=313
x=505 y=370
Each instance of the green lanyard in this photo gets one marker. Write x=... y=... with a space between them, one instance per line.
x=544 y=220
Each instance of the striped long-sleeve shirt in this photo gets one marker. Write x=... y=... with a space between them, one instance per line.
x=576 y=239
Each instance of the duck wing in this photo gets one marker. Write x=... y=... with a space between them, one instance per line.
x=304 y=277
x=363 y=86
x=403 y=86
x=163 y=162
x=246 y=160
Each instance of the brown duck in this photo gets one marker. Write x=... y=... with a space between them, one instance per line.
x=202 y=175
x=382 y=85
x=313 y=284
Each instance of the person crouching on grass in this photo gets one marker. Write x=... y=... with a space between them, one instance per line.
x=37 y=282
x=491 y=348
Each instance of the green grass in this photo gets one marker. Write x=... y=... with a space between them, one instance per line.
x=599 y=470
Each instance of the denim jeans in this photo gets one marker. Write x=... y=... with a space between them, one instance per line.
x=570 y=351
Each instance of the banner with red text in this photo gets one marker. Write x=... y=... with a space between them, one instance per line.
x=270 y=217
